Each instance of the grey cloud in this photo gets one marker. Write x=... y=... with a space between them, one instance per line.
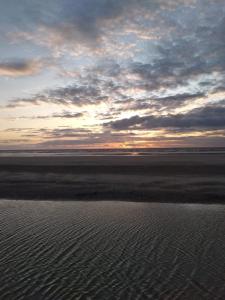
x=159 y=103
x=47 y=133
x=207 y=117
x=84 y=14
x=104 y=138
x=81 y=21
x=92 y=86
x=18 y=68
x=71 y=95
x=193 y=49
x=72 y=20
x=104 y=82
x=72 y=136
x=85 y=139
x=67 y=133
x=181 y=97
x=63 y=115
x=11 y=141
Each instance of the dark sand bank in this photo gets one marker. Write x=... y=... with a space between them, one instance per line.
x=164 y=178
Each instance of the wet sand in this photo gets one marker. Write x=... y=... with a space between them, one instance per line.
x=197 y=178
x=111 y=250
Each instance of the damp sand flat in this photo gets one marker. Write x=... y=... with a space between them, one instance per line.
x=164 y=178
x=111 y=250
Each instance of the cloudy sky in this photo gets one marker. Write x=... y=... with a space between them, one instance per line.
x=112 y=73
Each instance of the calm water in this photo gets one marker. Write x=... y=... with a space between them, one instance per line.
x=111 y=250
x=108 y=152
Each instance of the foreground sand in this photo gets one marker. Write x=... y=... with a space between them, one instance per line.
x=111 y=250
x=160 y=178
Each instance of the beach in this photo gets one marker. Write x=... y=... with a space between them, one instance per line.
x=181 y=178
x=111 y=250
x=95 y=227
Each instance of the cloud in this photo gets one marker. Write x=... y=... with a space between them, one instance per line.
x=63 y=115
x=207 y=117
x=71 y=138
x=75 y=27
x=71 y=95
x=157 y=104
x=160 y=63
x=86 y=138
x=19 y=68
x=193 y=49
x=59 y=133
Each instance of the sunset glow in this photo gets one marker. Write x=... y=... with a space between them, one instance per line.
x=112 y=74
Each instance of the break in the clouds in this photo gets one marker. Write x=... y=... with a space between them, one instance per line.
x=129 y=73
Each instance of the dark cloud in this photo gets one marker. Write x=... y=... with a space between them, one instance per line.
x=194 y=49
x=73 y=94
x=207 y=117
x=66 y=133
x=71 y=139
x=85 y=14
x=11 y=141
x=63 y=115
x=81 y=137
x=19 y=68
x=180 y=97
x=84 y=139
x=71 y=136
x=159 y=103
x=86 y=22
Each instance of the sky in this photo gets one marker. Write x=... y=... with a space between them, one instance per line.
x=112 y=73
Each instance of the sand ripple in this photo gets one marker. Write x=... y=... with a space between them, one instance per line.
x=111 y=250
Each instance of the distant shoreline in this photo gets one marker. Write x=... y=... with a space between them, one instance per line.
x=111 y=152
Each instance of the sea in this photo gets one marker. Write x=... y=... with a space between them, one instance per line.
x=111 y=152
